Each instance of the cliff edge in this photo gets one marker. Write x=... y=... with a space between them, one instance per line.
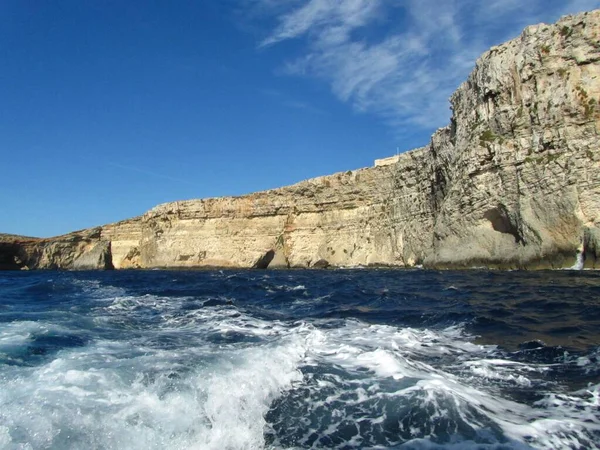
x=512 y=182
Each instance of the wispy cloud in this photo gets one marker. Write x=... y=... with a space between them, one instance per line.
x=420 y=52
x=338 y=17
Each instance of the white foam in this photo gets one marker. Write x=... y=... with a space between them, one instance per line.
x=106 y=398
x=14 y=335
x=579 y=261
x=97 y=290
x=506 y=372
x=286 y=288
x=444 y=391
x=207 y=393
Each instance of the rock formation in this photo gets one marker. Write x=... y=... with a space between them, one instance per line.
x=80 y=250
x=512 y=182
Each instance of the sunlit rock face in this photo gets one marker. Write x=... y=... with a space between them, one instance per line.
x=522 y=178
x=512 y=182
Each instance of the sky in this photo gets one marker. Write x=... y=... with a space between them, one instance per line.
x=110 y=107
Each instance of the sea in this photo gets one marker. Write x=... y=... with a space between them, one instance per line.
x=298 y=359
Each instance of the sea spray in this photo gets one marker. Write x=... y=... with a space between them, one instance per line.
x=338 y=359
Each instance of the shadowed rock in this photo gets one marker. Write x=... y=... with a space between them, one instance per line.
x=265 y=260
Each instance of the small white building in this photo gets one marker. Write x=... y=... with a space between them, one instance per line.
x=387 y=161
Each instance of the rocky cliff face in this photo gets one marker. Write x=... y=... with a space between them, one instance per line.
x=513 y=181
x=80 y=250
x=522 y=178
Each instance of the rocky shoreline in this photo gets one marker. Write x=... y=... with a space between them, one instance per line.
x=512 y=182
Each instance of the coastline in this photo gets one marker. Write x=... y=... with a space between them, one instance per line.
x=512 y=183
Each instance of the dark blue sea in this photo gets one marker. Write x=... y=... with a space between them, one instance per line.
x=347 y=359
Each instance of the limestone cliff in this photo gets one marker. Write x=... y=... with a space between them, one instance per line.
x=80 y=250
x=521 y=185
x=513 y=181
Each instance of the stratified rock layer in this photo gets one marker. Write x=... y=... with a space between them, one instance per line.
x=513 y=181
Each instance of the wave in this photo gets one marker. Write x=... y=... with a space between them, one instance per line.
x=326 y=384
x=137 y=368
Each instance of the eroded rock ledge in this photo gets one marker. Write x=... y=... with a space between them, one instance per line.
x=512 y=182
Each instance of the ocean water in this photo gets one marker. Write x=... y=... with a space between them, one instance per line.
x=342 y=359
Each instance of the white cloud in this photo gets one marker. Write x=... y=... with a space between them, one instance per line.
x=423 y=50
x=333 y=20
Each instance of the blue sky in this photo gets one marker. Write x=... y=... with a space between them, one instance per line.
x=108 y=108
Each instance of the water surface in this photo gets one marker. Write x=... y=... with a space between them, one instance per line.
x=300 y=359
